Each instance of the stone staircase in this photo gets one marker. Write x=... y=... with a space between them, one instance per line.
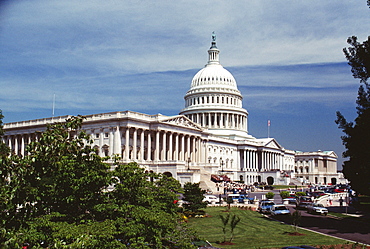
x=294 y=181
x=206 y=183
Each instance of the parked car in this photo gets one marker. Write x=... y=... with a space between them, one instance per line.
x=291 y=199
x=242 y=198
x=317 y=194
x=279 y=210
x=316 y=208
x=211 y=198
x=303 y=201
x=265 y=206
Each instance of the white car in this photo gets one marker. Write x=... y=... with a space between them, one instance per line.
x=279 y=210
x=211 y=199
x=317 y=208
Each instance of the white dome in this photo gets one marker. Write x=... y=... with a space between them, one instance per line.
x=214 y=101
x=213 y=75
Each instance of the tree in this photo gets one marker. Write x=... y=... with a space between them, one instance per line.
x=234 y=221
x=225 y=220
x=296 y=219
x=357 y=134
x=63 y=194
x=193 y=197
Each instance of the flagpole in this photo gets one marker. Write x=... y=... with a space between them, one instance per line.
x=268 y=128
x=53 y=104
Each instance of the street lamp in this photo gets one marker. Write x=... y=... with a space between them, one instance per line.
x=188 y=162
x=222 y=165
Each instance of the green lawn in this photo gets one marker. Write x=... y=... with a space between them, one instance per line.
x=254 y=231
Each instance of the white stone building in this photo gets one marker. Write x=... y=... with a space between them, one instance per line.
x=210 y=136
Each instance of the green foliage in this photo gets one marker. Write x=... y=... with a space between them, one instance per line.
x=284 y=194
x=357 y=134
x=63 y=193
x=234 y=220
x=296 y=219
x=225 y=220
x=193 y=197
x=270 y=195
x=300 y=193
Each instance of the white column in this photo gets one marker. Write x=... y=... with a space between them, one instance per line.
x=176 y=154
x=142 y=145
x=156 y=151
x=127 y=144
x=164 y=147
x=111 y=141
x=182 y=154
x=188 y=155
x=170 y=146
x=134 y=145
x=117 y=141
x=246 y=161
x=149 y=155
x=16 y=150
x=22 y=145
x=101 y=142
x=10 y=143
x=194 y=150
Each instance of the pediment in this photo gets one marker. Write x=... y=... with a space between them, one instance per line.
x=182 y=121
x=271 y=143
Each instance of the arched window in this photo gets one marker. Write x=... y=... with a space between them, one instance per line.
x=105 y=150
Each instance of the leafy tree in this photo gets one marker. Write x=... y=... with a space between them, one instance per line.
x=193 y=197
x=357 y=168
x=66 y=176
x=63 y=194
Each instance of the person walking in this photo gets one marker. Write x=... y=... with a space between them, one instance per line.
x=341 y=203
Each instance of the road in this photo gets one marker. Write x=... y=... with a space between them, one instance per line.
x=348 y=229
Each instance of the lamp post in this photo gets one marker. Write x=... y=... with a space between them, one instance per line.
x=222 y=166
x=188 y=162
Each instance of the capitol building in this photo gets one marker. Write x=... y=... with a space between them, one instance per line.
x=208 y=138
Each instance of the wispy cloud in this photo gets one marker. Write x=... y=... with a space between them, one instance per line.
x=141 y=55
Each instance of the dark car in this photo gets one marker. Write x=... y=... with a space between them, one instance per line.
x=303 y=201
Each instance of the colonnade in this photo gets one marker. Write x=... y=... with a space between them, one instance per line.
x=220 y=120
x=132 y=144
x=272 y=160
x=255 y=160
x=18 y=143
x=250 y=162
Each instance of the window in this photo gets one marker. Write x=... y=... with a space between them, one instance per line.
x=97 y=135
x=106 y=134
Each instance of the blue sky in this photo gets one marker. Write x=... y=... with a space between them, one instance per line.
x=102 y=56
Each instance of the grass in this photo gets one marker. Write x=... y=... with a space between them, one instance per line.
x=254 y=231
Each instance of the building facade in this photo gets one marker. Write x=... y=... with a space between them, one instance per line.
x=209 y=137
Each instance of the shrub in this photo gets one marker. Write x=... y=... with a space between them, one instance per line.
x=270 y=195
